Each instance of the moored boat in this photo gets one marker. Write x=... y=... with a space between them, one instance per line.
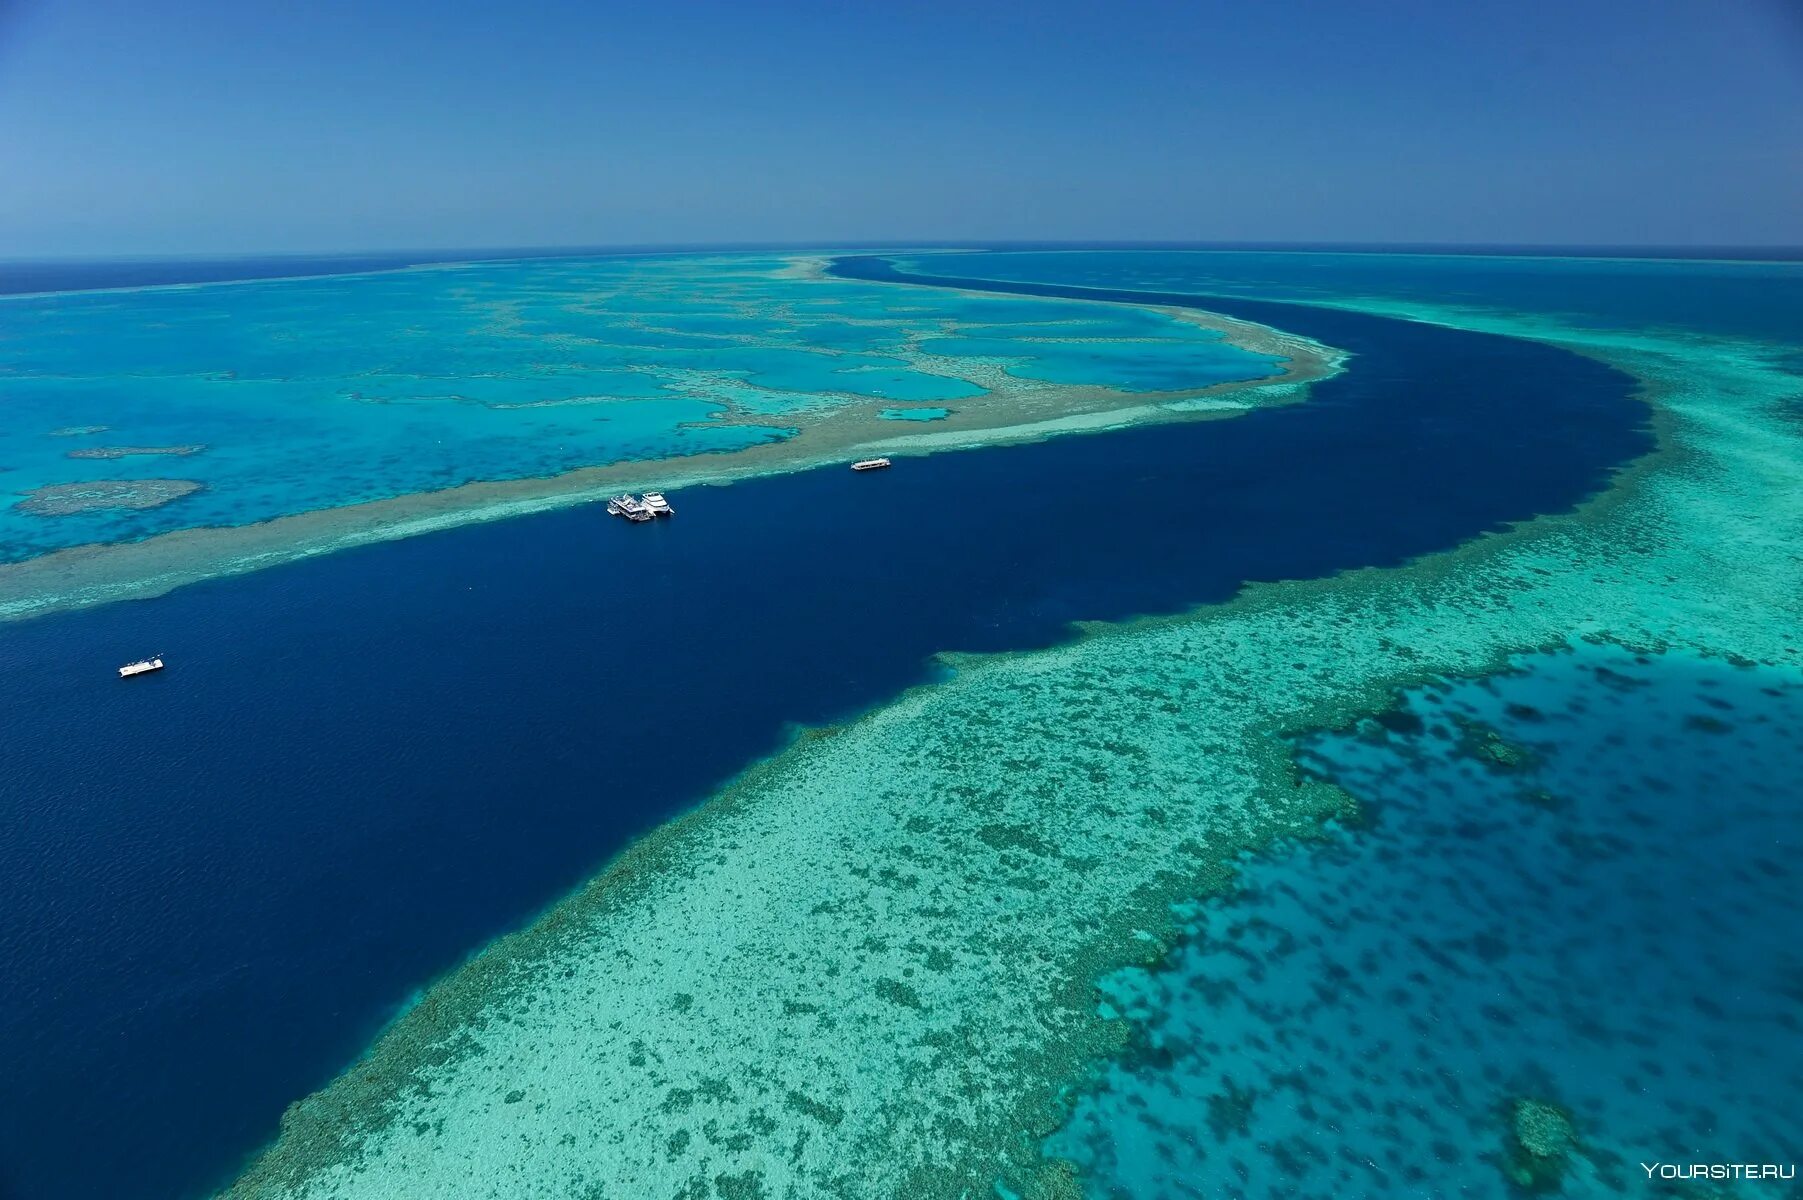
x=142 y=666
x=871 y=464
x=627 y=505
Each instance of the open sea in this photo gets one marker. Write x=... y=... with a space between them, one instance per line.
x=218 y=883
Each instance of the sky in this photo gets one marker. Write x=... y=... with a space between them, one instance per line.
x=203 y=126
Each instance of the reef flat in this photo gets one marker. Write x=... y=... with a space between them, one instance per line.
x=434 y=397
x=135 y=451
x=67 y=499
x=868 y=968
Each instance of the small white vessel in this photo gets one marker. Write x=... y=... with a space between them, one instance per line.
x=871 y=464
x=142 y=666
x=656 y=505
x=628 y=506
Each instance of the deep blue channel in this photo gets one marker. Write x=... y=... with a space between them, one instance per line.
x=218 y=882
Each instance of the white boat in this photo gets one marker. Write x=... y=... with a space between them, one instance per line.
x=142 y=666
x=656 y=505
x=627 y=505
x=871 y=464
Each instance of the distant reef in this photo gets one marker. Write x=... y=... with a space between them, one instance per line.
x=133 y=451
x=67 y=499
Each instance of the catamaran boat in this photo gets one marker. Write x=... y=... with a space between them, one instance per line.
x=142 y=666
x=656 y=505
x=871 y=464
x=627 y=505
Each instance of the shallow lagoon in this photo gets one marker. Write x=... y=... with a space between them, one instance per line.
x=313 y=393
x=1574 y=883
x=1140 y=365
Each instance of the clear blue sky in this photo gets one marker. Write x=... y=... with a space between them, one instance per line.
x=129 y=126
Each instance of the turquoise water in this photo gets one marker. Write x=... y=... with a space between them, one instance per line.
x=311 y=393
x=1139 y=365
x=1578 y=885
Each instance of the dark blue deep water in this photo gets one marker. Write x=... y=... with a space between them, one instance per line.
x=1758 y=299
x=216 y=883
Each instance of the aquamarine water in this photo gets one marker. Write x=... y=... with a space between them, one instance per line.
x=1146 y=365
x=291 y=395
x=1575 y=883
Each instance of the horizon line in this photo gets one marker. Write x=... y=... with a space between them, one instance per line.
x=1735 y=251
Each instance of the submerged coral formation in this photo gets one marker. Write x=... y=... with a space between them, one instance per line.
x=1486 y=745
x=136 y=451
x=66 y=499
x=1541 y=1140
x=1392 y=990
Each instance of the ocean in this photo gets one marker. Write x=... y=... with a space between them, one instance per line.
x=223 y=880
